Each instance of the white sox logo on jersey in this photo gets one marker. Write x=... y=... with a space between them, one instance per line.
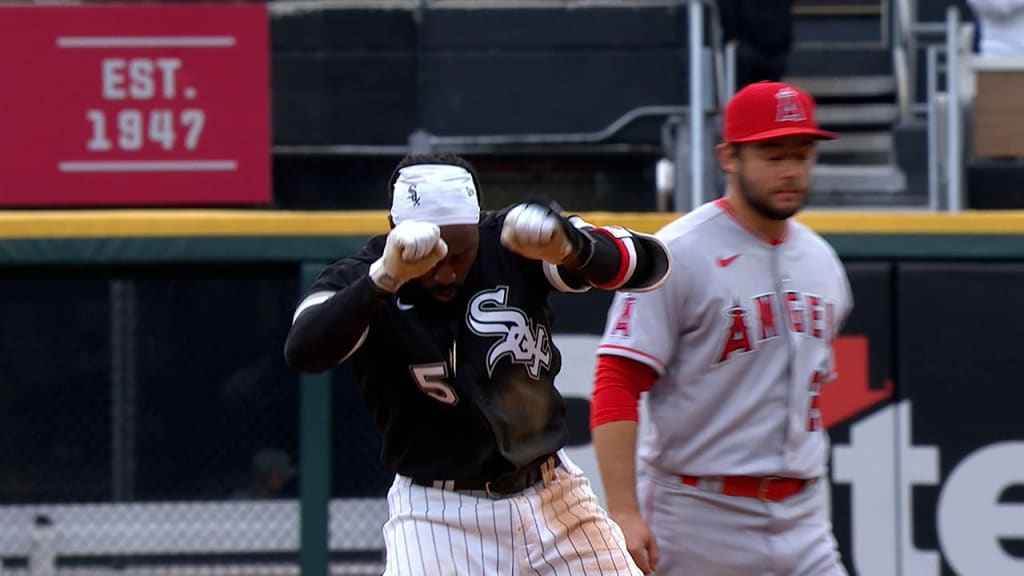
x=488 y=315
x=806 y=314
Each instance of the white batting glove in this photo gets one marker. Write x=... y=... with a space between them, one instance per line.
x=412 y=249
x=536 y=232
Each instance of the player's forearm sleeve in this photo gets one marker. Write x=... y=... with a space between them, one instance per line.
x=614 y=258
x=325 y=334
x=618 y=382
x=609 y=260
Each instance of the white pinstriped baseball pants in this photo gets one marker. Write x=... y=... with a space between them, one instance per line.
x=554 y=528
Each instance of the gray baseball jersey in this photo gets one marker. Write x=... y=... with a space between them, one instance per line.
x=740 y=336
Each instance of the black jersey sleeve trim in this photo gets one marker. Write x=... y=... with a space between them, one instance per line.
x=616 y=258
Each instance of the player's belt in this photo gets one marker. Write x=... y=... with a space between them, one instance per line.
x=504 y=485
x=772 y=488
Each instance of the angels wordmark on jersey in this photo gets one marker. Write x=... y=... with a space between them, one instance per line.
x=806 y=314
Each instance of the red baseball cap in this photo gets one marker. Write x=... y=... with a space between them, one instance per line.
x=766 y=110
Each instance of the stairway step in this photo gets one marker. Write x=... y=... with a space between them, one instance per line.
x=857 y=148
x=837 y=7
x=840 y=179
x=845 y=115
x=858 y=143
x=827 y=10
x=839 y=61
x=830 y=29
x=845 y=86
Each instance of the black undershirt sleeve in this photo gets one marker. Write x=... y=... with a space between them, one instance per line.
x=324 y=334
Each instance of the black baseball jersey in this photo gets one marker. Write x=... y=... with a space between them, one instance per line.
x=463 y=389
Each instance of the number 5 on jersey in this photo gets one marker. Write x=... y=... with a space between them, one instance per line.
x=431 y=379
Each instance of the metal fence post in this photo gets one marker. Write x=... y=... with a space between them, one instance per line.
x=680 y=155
x=954 y=160
x=934 y=157
x=314 y=459
x=696 y=20
x=124 y=339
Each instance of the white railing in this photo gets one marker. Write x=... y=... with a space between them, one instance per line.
x=902 y=39
x=941 y=108
x=944 y=115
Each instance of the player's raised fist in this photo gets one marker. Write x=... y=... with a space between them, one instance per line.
x=412 y=249
x=536 y=231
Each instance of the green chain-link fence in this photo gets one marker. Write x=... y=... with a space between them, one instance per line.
x=151 y=425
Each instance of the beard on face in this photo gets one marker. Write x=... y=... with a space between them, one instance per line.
x=760 y=201
x=446 y=287
x=445 y=292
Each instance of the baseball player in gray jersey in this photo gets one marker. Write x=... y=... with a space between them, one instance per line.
x=732 y=350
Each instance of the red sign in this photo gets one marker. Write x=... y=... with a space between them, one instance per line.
x=134 y=105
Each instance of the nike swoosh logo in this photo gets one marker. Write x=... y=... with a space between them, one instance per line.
x=724 y=261
x=402 y=306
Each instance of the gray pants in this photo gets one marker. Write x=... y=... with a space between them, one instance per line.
x=702 y=533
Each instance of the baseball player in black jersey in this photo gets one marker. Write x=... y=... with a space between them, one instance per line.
x=446 y=325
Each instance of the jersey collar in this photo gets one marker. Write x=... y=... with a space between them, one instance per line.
x=724 y=205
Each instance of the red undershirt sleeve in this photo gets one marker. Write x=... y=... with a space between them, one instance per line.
x=618 y=382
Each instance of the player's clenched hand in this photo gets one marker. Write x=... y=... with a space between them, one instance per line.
x=412 y=249
x=639 y=540
x=536 y=232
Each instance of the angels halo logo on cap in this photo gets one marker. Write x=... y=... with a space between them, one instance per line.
x=788 y=107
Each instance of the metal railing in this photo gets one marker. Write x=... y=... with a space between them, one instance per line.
x=902 y=38
x=688 y=155
x=944 y=113
x=941 y=107
x=688 y=190
x=908 y=37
